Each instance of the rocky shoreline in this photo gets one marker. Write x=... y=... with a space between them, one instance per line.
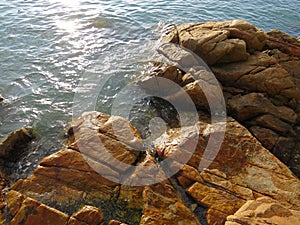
x=253 y=178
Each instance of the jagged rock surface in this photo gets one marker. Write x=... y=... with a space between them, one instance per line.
x=264 y=211
x=244 y=184
x=262 y=90
x=242 y=170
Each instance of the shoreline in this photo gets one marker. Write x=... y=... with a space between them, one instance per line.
x=259 y=75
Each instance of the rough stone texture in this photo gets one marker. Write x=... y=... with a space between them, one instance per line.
x=81 y=183
x=264 y=211
x=14 y=145
x=34 y=213
x=242 y=170
x=68 y=178
x=3 y=184
x=90 y=215
x=262 y=90
x=219 y=42
x=30 y=211
x=116 y=222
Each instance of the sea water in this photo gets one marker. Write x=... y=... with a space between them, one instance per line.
x=54 y=50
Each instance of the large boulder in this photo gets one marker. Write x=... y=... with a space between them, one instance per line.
x=261 y=88
x=67 y=180
x=219 y=42
x=242 y=170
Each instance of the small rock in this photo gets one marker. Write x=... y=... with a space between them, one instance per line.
x=90 y=215
x=116 y=222
x=34 y=213
x=14 y=145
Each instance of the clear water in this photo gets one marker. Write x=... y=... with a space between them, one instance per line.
x=47 y=45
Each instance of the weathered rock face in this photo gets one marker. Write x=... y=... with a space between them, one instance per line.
x=69 y=178
x=66 y=181
x=219 y=42
x=264 y=211
x=25 y=210
x=261 y=84
x=94 y=179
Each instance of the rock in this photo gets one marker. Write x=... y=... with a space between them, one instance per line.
x=285 y=43
x=115 y=222
x=259 y=73
x=74 y=176
x=264 y=211
x=261 y=90
x=242 y=170
x=14 y=145
x=66 y=180
x=219 y=42
x=3 y=185
x=105 y=174
x=251 y=105
x=163 y=205
x=1 y=98
x=90 y=215
x=33 y=212
x=29 y=211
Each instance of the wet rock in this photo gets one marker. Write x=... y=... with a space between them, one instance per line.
x=14 y=145
x=264 y=211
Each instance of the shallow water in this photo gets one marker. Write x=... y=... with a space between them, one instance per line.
x=47 y=47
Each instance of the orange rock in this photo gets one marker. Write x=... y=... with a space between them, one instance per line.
x=264 y=211
x=115 y=222
x=34 y=213
x=90 y=215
